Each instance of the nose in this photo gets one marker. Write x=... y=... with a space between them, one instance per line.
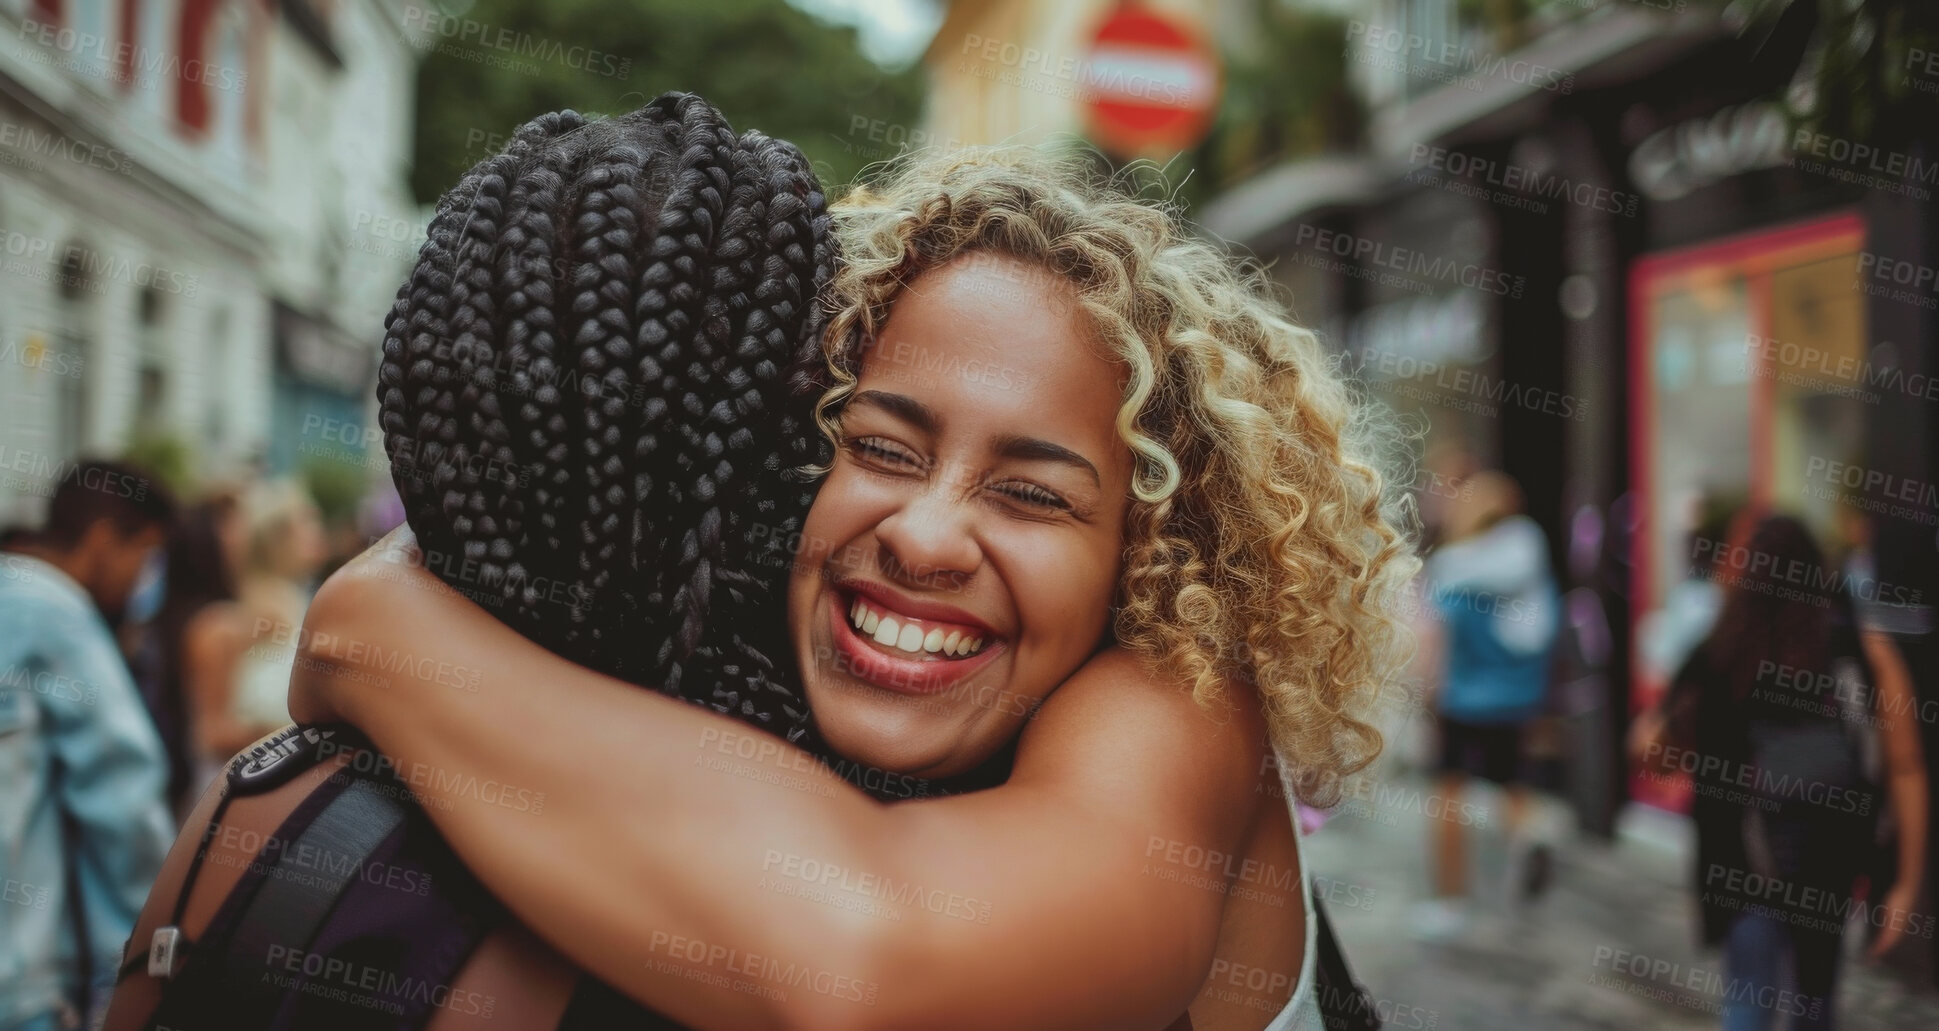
x=928 y=542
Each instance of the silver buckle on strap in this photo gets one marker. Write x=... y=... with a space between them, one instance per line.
x=165 y=952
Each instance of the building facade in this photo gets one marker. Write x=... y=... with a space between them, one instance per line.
x=178 y=191
x=1601 y=258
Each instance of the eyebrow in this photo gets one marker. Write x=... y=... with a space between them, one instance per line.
x=1009 y=445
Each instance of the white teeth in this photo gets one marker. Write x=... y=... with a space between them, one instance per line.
x=907 y=636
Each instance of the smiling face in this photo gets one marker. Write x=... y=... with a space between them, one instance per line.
x=961 y=556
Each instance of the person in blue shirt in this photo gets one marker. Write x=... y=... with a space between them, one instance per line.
x=1496 y=600
x=84 y=821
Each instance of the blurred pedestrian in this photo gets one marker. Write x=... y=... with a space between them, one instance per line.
x=1781 y=715
x=286 y=548
x=1667 y=635
x=188 y=657
x=84 y=820
x=1492 y=589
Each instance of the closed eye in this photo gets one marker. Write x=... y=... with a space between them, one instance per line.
x=1031 y=494
x=874 y=449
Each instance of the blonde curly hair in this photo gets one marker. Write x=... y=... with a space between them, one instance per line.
x=1263 y=544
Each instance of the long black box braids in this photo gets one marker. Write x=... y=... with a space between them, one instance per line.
x=596 y=384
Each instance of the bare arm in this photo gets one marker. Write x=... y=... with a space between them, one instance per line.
x=1905 y=771
x=664 y=847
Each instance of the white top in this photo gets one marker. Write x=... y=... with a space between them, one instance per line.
x=1302 y=1012
x=1510 y=559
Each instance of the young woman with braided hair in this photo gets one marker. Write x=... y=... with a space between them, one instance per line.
x=1077 y=458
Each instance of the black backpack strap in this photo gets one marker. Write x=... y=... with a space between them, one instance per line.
x=224 y=982
x=290 y=910
x=1344 y=1004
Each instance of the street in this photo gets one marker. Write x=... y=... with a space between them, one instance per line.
x=1612 y=945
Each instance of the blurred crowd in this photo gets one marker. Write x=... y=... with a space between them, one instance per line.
x=1789 y=730
x=145 y=638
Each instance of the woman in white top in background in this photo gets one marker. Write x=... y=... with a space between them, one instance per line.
x=285 y=548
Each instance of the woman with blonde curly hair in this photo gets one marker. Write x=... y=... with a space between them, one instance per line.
x=1099 y=518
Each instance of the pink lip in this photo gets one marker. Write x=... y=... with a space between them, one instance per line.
x=907 y=676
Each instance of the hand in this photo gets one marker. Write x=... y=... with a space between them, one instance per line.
x=1897 y=906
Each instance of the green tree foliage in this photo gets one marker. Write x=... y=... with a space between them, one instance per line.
x=493 y=64
x=1863 y=75
x=1286 y=97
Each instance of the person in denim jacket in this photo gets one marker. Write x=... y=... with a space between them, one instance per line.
x=83 y=818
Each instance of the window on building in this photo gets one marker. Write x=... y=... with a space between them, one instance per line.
x=73 y=397
x=151 y=399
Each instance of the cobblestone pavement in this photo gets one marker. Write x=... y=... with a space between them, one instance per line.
x=1566 y=961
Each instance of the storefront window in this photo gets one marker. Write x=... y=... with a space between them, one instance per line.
x=1748 y=363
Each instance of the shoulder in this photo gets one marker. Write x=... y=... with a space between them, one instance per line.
x=39 y=605
x=1120 y=718
x=216 y=629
